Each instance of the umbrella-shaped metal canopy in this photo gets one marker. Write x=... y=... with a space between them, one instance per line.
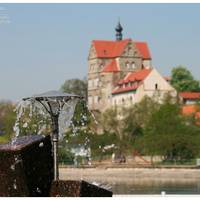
x=54 y=102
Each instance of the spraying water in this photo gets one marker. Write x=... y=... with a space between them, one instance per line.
x=64 y=108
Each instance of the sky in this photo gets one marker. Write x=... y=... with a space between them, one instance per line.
x=42 y=45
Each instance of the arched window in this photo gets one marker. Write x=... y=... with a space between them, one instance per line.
x=127 y=65
x=133 y=65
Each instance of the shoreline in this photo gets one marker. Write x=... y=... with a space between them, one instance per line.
x=132 y=175
x=128 y=166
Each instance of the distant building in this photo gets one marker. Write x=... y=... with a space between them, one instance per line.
x=189 y=97
x=120 y=72
x=190 y=106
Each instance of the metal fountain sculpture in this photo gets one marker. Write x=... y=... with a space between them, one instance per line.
x=54 y=102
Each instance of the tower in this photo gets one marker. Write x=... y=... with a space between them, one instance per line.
x=118 y=30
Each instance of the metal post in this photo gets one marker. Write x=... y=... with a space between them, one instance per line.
x=55 y=147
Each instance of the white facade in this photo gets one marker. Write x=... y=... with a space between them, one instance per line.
x=154 y=86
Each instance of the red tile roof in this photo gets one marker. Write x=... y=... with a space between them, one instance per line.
x=109 y=49
x=113 y=49
x=111 y=67
x=126 y=89
x=190 y=95
x=138 y=75
x=143 y=49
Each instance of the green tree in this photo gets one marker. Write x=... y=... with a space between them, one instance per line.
x=112 y=123
x=75 y=86
x=136 y=117
x=7 y=120
x=34 y=124
x=182 y=80
x=169 y=135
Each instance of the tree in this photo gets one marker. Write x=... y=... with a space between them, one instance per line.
x=137 y=116
x=169 y=135
x=112 y=123
x=75 y=86
x=7 y=120
x=182 y=80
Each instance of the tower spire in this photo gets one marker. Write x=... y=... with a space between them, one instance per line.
x=118 y=30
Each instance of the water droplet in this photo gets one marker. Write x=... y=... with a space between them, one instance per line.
x=14 y=184
x=38 y=190
x=25 y=125
x=12 y=167
x=41 y=144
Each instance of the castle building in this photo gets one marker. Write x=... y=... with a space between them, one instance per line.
x=120 y=72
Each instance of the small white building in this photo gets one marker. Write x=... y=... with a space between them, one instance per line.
x=189 y=98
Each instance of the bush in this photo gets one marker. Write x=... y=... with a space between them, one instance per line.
x=65 y=156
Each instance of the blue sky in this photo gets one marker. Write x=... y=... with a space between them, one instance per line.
x=45 y=44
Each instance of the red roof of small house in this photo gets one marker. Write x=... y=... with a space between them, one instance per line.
x=111 y=67
x=190 y=95
x=138 y=75
x=113 y=49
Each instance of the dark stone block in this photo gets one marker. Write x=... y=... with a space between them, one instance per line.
x=71 y=188
x=26 y=167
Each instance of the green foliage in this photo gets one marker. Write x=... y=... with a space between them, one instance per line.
x=65 y=156
x=183 y=80
x=168 y=134
x=112 y=123
x=94 y=141
x=34 y=123
x=75 y=86
x=127 y=122
x=81 y=116
x=7 y=120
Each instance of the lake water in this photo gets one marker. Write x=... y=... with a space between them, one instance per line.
x=175 y=188
x=133 y=181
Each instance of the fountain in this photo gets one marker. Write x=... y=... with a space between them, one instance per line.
x=60 y=108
